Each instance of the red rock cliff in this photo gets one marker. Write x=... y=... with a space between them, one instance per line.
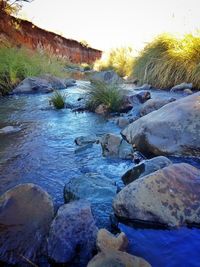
x=22 y=32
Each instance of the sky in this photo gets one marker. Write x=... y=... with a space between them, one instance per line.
x=106 y=24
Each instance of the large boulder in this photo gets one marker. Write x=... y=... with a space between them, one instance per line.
x=154 y=104
x=55 y=82
x=172 y=130
x=144 y=168
x=72 y=234
x=26 y=212
x=117 y=258
x=33 y=85
x=98 y=190
x=170 y=196
x=114 y=146
x=108 y=76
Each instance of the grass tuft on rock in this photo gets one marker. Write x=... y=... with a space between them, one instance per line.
x=168 y=61
x=102 y=93
x=58 y=100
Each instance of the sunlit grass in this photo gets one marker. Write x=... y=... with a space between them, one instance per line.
x=19 y=63
x=168 y=61
x=102 y=93
x=58 y=100
x=118 y=59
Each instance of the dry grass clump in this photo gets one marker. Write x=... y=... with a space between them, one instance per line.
x=168 y=61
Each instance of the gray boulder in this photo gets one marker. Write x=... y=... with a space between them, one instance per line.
x=114 y=146
x=169 y=196
x=26 y=212
x=55 y=82
x=144 y=168
x=98 y=190
x=33 y=85
x=181 y=87
x=72 y=234
x=109 y=76
x=154 y=104
x=69 y=82
x=172 y=130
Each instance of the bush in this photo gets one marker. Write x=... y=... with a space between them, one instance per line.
x=103 y=93
x=168 y=61
x=19 y=63
x=58 y=100
x=120 y=60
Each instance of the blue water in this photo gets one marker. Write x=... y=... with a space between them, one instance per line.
x=44 y=153
x=165 y=248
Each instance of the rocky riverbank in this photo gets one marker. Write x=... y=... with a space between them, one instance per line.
x=156 y=191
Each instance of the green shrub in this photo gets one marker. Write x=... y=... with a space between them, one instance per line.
x=103 y=93
x=168 y=61
x=19 y=63
x=58 y=100
x=120 y=60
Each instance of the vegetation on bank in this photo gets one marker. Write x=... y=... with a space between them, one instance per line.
x=102 y=93
x=58 y=100
x=168 y=61
x=119 y=59
x=18 y=63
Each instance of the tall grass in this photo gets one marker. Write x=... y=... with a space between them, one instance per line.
x=168 y=61
x=119 y=59
x=19 y=63
x=102 y=93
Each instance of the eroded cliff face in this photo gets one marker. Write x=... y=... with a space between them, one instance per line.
x=24 y=33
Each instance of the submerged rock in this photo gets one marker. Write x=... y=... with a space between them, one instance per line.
x=169 y=196
x=114 y=146
x=172 y=130
x=102 y=109
x=122 y=122
x=84 y=140
x=9 y=129
x=181 y=87
x=144 y=168
x=72 y=234
x=154 y=104
x=26 y=212
x=117 y=259
x=98 y=190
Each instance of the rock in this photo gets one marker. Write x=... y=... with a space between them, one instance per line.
x=143 y=96
x=72 y=234
x=144 y=168
x=169 y=196
x=55 y=82
x=138 y=157
x=161 y=132
x=84 y=140
x=102 y=109
x=109 y=76
x=154 y=104
x=114 y=146
x=117 y=259
x=10 y=129
x=98 y=190
x=122 y=122
x=33 y=85
x=69 y=82
x=107 y=241
x=26 y=212
x=181 y=87
x=187 y=91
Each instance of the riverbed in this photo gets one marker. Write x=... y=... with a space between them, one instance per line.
x=44 y=153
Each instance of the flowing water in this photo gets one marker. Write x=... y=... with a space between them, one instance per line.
x=44 y=153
